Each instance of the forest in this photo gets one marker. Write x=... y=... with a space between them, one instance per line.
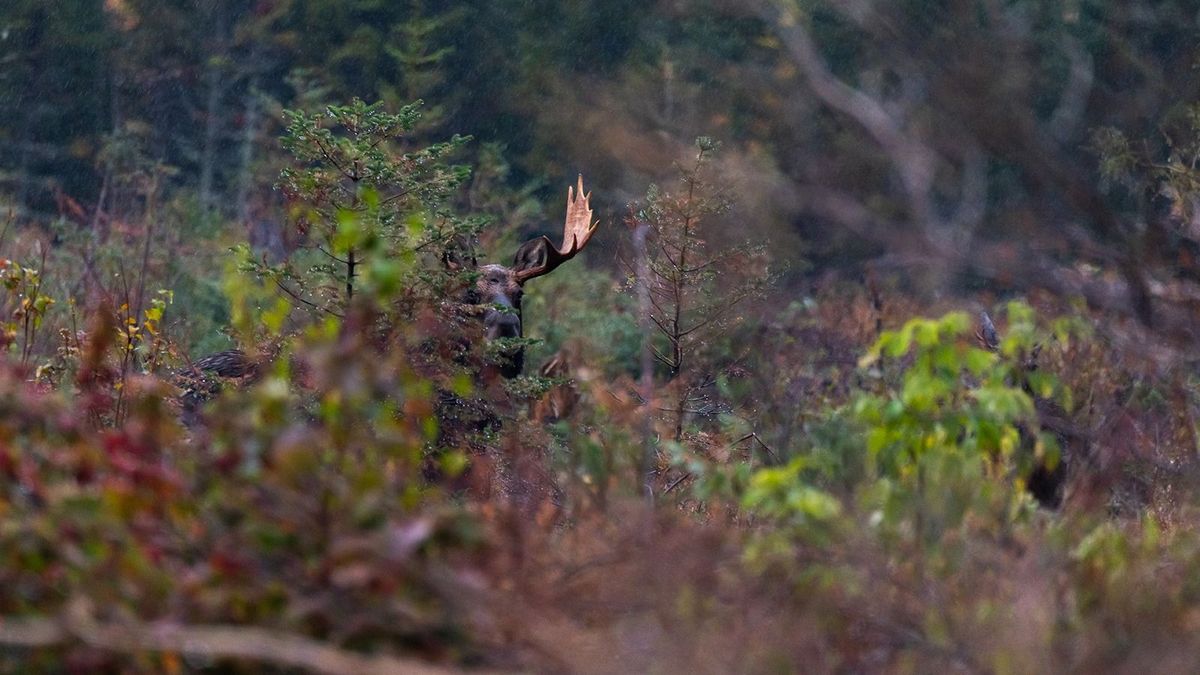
x=866 y=339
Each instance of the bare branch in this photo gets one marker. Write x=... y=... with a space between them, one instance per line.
x=309 y=303
x=662 y=358
x=332 y=256
x=675 y=483
x=972 y=205
x=662 y=327
x=764 y=446
x=399 y=195
x=328 y=154
x=911 y=157
x=77 y=623
x=1073 y=101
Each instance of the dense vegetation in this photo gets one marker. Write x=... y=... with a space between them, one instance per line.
x=880 y=359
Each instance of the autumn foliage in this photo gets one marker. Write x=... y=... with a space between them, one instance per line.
x=895 y=378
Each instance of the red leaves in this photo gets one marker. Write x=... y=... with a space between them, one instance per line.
x=135 y=468
x=8 y=464
x=228 y=563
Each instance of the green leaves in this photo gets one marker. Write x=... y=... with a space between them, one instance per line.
x=780 y=492
x=1003 y=403
x=944 y=429
x=23 y=305
x=366 y=204
x=919 y=332
x=1164 y=164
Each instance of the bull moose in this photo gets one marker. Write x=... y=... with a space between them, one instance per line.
x=497 y=288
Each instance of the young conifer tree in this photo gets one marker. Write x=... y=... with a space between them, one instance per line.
x=369 y=206
x=694 y=289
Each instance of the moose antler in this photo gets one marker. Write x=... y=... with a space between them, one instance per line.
x=577 y=231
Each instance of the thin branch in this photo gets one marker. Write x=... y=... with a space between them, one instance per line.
x=77 y=623
x=12 y=217
x=662 y=358
x=764 y=446
x=297 y=298
x=332 y=256
x=713 y=317
x=662 y=327
x=717 y=313
x=657 y=307
x=326 y=153
x=649 y=353
x=398 y=195
x=698 y=268
x=436 y=240
x=707 y=412
x=675 y=483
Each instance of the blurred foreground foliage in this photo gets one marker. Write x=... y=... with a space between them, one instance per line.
x=321 y=501
x=854 y=494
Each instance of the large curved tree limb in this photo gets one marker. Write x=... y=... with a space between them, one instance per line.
x=78 y=624
x=989 y=125
x=1017 y=266
x=913 y=160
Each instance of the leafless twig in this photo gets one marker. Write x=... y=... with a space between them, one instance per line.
x=675 y=483
x=645 y=315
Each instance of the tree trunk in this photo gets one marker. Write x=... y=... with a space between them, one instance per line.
x=208 y=159
x=249 y=138
x=647 y=381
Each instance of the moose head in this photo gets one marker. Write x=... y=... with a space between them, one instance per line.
x=499 y=288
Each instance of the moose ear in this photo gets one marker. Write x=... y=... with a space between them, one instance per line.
x=459 y=255
x=532 y=256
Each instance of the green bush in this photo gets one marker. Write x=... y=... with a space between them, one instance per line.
x=943 y=431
